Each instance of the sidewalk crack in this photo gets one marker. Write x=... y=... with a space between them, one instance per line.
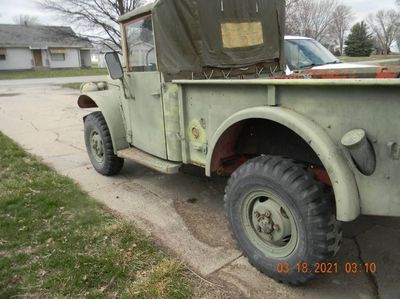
x=225 y=265
x=370 y=276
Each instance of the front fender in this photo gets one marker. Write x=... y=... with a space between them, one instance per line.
x=108 y=103
x=343 y=180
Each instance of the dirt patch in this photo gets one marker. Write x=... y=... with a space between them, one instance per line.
x=9 y=95
x=206 y=225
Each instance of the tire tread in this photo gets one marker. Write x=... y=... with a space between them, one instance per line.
x=113 y=164
x=316 y=200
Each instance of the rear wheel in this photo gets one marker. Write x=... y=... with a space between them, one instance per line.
x=282 y=217
x=99 y=145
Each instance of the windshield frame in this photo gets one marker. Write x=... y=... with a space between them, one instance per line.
x=127 y=47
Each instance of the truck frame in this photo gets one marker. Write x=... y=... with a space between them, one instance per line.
x=303 y=155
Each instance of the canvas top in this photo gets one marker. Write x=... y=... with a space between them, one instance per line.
x=192 y=35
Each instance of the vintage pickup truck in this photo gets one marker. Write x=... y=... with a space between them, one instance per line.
x=303 y=155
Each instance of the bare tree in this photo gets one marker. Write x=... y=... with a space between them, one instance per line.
x=385 y=25
x=26 y=20
x=94 y=19
x=291 y=8
x=342 y=17
x=312 y=18
x=398 y=35
x=296 y=17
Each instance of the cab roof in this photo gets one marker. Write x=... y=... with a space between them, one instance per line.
x=142 y=10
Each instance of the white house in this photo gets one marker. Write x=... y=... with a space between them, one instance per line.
x=29 y=47
x=100 y=51
x=141 y=53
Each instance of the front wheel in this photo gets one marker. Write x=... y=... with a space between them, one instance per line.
x=282 y=217
x=99 y=145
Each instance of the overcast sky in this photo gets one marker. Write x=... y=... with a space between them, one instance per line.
x=10 y=8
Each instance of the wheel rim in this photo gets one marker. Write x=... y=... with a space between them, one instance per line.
x=96 y=146
x=269 y=223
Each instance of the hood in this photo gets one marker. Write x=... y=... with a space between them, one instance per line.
x=340 y=66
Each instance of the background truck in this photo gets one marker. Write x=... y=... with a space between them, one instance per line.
x=306 y=56
x=303 y=155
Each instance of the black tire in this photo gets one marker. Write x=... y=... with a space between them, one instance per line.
x=109 y=164
x=310 y=204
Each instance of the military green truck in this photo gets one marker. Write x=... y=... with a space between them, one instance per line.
x=199 y=86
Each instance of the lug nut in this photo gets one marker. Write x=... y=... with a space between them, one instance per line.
x=268 y=214
x=259 y=229
x=276 y=228
x=270 y=237
x=257 y=214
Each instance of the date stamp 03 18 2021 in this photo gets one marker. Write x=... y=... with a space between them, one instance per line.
x=328 y=267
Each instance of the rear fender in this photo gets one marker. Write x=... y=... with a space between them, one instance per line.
x=340 y=174
x=109 y=105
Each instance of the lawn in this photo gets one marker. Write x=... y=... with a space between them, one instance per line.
x=370 y=58
x=34 y=74
x=57 y=242
x=72 y=85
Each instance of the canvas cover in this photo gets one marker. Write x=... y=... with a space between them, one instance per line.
x=195 y=34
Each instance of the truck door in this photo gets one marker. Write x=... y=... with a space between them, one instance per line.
x=145 y=110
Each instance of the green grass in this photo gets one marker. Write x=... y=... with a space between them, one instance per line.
x=57 y=242
x=72 y=85
x=34 y=74
x=370 y=58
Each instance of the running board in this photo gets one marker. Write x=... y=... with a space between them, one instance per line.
x=150 y=161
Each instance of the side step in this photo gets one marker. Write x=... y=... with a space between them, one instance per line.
x=150 y=161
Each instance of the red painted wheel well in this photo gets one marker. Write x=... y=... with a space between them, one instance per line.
x=254 y=137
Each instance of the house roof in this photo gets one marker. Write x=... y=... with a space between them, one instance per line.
x=40 y=37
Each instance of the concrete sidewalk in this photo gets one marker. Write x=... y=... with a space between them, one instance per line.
x=184 y=212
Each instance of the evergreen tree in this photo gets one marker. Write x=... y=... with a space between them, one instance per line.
x=359 y=42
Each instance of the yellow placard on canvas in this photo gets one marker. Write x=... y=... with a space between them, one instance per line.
x=240 y=35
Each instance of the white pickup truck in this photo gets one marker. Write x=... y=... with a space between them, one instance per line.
x=305 y=53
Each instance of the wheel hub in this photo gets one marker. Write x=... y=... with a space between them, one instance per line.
x=97 y=146
x=270 y=224
x=271 y=221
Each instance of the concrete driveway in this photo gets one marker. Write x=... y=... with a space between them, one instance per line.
x=184 y=212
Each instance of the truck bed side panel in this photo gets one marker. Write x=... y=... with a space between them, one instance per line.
x=337 y=108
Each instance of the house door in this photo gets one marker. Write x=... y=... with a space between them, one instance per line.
x=37 y=55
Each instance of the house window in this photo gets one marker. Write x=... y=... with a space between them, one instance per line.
x=57 y=56
x=3 y=54
x=140 y=44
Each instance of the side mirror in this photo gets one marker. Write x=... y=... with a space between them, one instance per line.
x=114 y=65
